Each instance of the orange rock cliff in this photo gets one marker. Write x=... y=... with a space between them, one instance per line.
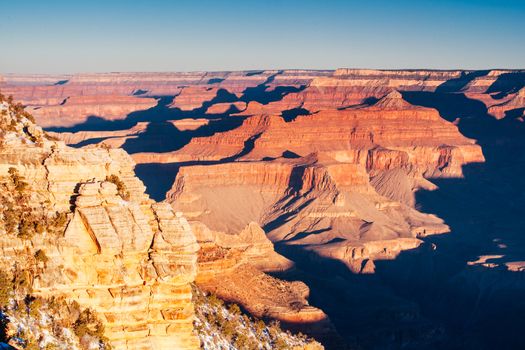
x=314 y=176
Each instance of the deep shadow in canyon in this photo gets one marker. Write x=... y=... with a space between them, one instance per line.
x=264 y=95
x=162 y=136
x=433 y=297
x=159 y=178
x=436 y=296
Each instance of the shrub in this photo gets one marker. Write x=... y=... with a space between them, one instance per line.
x=234 y=309
x=242 y=341
x=228 y=328
x=6 y=289
x=41 y=256
x=20 y=214
x=27 y=228
x=121 y=187
x=17 y=180
x=88 y=324
x=22 y=281
x=58 y=222
x=34 y=306
x=280 y=344
x=260 y=326
x=32 y=344
x=238 y=329
x=59 y=315
x=10 y=219
x=214 y=301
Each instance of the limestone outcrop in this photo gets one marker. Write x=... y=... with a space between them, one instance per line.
x=338 y=168
x=77 y=110
x=233 y=266
x=126 y=257
x=191 y=98
x=316 y=202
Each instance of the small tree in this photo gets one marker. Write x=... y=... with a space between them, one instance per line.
x=121 y=186
x=41 y=256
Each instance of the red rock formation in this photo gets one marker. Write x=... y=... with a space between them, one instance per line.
x=77 y=109
x=327 y=163
x=189 y=124
x=114 y=139
x=483 y=82
x=376 y=137
x=220 y=108
x=390 y=133
x=193 y=97
x=314 y=202
x=516 y=103
x=391 y=141
x=70 y=98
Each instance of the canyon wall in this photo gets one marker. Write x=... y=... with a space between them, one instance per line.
x=121 y=254
x=346 y=172
x=350 y=128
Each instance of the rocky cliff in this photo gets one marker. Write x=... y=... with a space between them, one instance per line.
x=112 y=250
x=340 y=169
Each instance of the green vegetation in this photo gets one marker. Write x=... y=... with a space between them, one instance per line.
x=59 y=314
x=21 y=217
x=40 y=256
x=17 y=109
x=220 y=322
x=30 y=321
x=5 y=288
x=87 y=324
x=17 y=180
x=14 y=118
x=121 y=187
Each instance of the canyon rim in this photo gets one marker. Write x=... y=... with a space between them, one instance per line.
x=176 y=196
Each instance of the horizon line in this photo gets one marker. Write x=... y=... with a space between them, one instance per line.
x=264 y=70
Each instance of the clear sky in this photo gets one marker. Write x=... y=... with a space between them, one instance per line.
x=98 y=36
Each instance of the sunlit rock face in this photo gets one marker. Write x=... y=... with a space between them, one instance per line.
x=298 y=148
x=129 y=259
x=350 y=174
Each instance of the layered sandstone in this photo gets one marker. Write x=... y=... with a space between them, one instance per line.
x=143 y=296
x=415 y=136
x=324 y=89
x=191 y=98
x=77 y=110
x=330 y=165
x=233 y=266
x=513 y=107
x=129 y=259
x=314 y=202
x=115 y=138
x=354 y=121
x=249 y=246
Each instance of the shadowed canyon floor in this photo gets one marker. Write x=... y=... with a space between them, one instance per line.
x=395 y=196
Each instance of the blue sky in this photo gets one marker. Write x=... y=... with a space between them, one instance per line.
x=112 y=35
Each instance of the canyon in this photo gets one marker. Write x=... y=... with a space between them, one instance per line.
x=366 y=208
